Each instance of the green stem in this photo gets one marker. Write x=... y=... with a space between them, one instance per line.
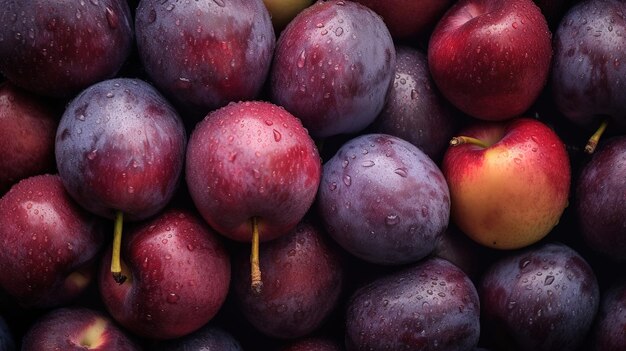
x=116 y=266
x=459 y=140
x=592 y=143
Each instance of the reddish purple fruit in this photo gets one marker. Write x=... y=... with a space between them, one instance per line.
x=544 y=297
x=600 y=200
x=77 y=328
x=58 y=48
x=608 y=329
x=205 y=54
x=28 y=126
x=431 y=305
x=313 y=343
x=48 y=243
x=302 y=282
x=383 y=200
x=178 y=276
x=333 y=66
x=208 y=338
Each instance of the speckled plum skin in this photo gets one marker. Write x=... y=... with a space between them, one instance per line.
x=302 y=282
x=590 y=64
x=58 y=48
x=600 y=200
x=313 y=343
x=544 y=297
x=431 y=305
x=383 y=200
x=415 y=110
x=45 y=237
x=64 y=328
x=178 y=273
x=608 y=329
x=205 y=54
x=333 y=67
x=491 y=58
x=252 y=159
x=120 y=146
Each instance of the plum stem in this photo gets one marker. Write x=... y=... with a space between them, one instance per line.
x=255 y=270
x=459 y=140
x=592 y=143
x=116 y=267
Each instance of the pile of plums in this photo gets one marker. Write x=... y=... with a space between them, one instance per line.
x=300 y=175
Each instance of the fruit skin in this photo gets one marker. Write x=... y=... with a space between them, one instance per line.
x=313 y=343
x=512 y=193
x=383 y=200
x=48 y=49
x=252 y=159
x=209 y=337
x=608 y=330
x=77 y=328
x=204 y=54
x=28 y=126
x=491 y=58
x=588 y=66
x=120 y=146
x=544 y=297
x=49 y=243
x=431 y=305
x=167 y=260
x=415 y=110
x=302 y=282
x=599 y=200
x=333 y=67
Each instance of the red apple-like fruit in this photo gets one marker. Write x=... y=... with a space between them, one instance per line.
x=28 y=126
x=48 y=243
x=491 y=58
x=252 y=171
x=178 y=276
x=77 y=328
x=509 y=181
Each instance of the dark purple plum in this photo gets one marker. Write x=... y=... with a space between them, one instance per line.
x=58 y=48
x=471 y=257
x=49 y=243
x=600 y=200
x=313 y=343
x=120 y=150
x=383 y=200
x=28 y=126
x=205 y=54
x=302 y=282
x=544 y=297
x=608 y=329
x=589 y=64
x=7 y=341
x=208 y=338
x=253 y=172
x=77 y=329
x=431 y=305
x=333 y=67
x=415 y=110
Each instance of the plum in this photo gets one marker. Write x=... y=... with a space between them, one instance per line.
x=209 y=338
x=383 y=200
x=543 y=297
x=204 y=54
x=333 y=67
x=415 y=110
x=58 y=48
x=28 y=126
x=430 y=305
x=600 y=200
x=608 y=330
x=297 y=296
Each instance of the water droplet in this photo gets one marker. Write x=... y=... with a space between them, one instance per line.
x=277 y=135
x=514 y=25
x=152 y=16
x=110 y=95
x=92 y=154
x=345 y=163
x=190 y=247
x=256 y=173
x=338 y=31
x=301 y=59
x=402 y=172
x=95 y=2
x=332 y=186
x=130 y=190
x=220 y=3
x=511 y=304
x=112 y=19
x=347 y=180
x=170 y=7
x=368 y=163
x=549 y=280
x=392 y=219
x=268 y=122
x=172 y=298
x=517 y=160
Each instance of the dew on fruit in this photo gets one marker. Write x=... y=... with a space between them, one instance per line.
x=402 y=172
x=277 y=135
x=368 y=163
x=347 y=180
x=220 y=3
x=172 y=298
x=112 y=18
x=170 y=7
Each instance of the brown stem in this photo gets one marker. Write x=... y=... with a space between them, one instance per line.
x=459 y=140
x=592 y=143
x=255 y=270
x=116 y=267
